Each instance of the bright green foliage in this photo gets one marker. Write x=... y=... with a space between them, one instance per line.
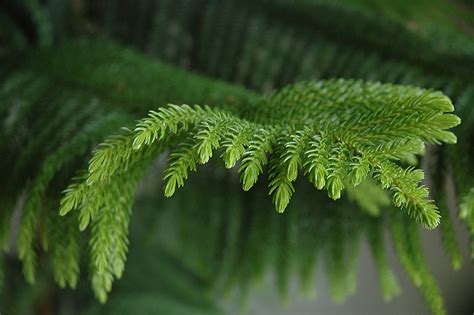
x=182 y=160
x=343 y=135
x=156 y=281
x=76 y=146
x=105 y=200
x=211 y=131
x=235 y=143
x=83 y=120
x=316 y=160
x=255 y=157
x=344 y=142
x=407 y=192
x=166 y=120
x=282 y=173
x=351 y=146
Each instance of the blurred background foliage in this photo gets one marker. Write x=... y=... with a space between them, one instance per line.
x=211 y=240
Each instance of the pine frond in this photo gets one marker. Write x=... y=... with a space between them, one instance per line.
x=388 y=283
x=77 y=146
x=310 y=243
x=184 y=159
x=172 y=120
x=256 y=157
x=337 y=171
x=407 y=192
x=429 y=288
x=280 y=172
x=109 y=233
x=230 y=252
x=402 y=249
x=235 y=143
x=341 y=134
x=408 y=247
x=354 y=243
x=210 y=133
x=285 y=257
x=333 y=157
x=317 y=159
x=26 y=237
x=66 y=251
x=336 y=267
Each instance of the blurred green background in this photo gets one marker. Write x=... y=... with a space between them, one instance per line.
x=213 y=249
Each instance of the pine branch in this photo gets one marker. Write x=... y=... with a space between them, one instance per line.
x=331 y=158
x=340 y=134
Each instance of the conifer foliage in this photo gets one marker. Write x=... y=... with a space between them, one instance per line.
x=337 y=132
x=335 y=120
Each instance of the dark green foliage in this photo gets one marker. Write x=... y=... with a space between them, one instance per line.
x=388 y=282
x=347 y=122
x=344 y=135
x=333 y=136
